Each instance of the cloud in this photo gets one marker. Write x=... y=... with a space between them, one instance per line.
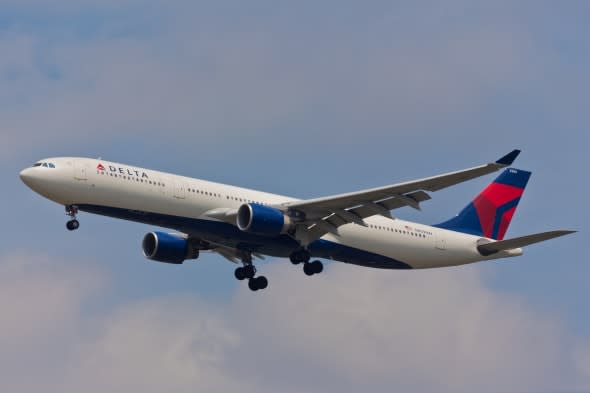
x=440 y=330
x=41 y=300
x=349 y=329
x=173 y=345
x=194 y=80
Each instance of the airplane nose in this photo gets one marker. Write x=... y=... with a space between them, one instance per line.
x=26 y=176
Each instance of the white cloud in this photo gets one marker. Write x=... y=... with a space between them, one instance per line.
x=39 y=295
x=348 y=329
x=172 y=345
x=437 y=330
x=207 y=82
x=41 y=302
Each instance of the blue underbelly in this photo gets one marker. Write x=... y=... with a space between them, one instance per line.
x=229 y=235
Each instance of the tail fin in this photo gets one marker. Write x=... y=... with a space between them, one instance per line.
x=490 y=213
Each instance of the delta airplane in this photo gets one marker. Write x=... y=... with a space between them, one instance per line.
x=242 y=224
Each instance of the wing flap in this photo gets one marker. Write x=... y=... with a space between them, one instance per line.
x=517 y=242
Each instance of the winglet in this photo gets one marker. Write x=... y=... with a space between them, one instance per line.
x=509 y=158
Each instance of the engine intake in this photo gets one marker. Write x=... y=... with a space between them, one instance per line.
x=263 y=220
x=167 y=248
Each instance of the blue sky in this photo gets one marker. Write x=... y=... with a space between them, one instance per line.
x=304 y=99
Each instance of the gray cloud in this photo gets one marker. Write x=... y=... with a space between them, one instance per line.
x=197 y=81
x=288 y=79
x=347 y=330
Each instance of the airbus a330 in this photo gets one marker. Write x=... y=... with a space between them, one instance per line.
x=243 y=225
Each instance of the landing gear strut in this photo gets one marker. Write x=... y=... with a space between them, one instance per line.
x=248 y=271
x=73 y=224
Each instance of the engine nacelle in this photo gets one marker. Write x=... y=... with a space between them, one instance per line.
x=263 y=220
x=167 y=248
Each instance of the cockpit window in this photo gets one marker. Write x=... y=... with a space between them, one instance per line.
x=44 y=165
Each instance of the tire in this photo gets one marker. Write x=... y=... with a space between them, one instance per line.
x=240 y=274
x=253 y=284
x=318 y=267
x=308 y=269
x=261 y=282
x=72 y=225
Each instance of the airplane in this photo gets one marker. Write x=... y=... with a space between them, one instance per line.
x=243 y=225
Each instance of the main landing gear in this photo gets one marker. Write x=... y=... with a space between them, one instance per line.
x=309 y=268
x=248 y=271
x=71 y=212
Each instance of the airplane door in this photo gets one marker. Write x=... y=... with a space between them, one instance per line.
x=179 y=190
x=80 y=170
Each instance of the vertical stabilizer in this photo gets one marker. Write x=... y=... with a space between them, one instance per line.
x=490 y=213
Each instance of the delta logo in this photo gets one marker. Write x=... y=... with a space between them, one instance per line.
x=122 y=171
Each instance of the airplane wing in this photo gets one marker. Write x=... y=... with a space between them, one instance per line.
x=325 y=215
x=517 y=242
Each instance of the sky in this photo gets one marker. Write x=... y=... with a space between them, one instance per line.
x=305 y=99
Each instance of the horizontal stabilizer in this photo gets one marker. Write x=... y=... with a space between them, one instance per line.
x=494 y=247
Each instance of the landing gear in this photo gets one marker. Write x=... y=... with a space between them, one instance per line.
x=299 y=256
x=72 y=211
x=257 y=283
x=248 y=271
x=303 y=256
x=72 y=225
x=311 y=268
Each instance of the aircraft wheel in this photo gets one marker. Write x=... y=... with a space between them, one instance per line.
x=72 y=225
x=308 y=269
x=261 y=282
x=300 y=256
x=240 y=274
x=317 y=266
x=253 y=284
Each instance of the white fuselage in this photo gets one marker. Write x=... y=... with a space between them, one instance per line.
x=110 y=188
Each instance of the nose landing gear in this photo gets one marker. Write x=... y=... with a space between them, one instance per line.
x=73 y=224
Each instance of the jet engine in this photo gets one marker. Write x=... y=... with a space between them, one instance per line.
x=168 y=248
x=263 y=220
